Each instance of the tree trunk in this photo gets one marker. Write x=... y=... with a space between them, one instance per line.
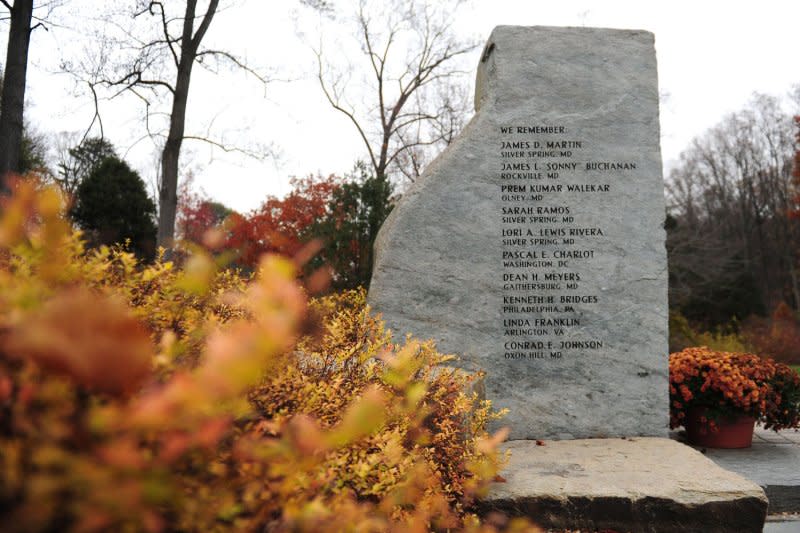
x=795 y=286
x=168 y=196
x=13 y=96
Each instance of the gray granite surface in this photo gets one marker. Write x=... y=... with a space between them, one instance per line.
x=533 y=247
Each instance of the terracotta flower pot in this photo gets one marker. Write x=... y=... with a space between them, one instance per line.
x=734 y=432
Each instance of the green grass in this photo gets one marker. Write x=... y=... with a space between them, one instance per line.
x=796 y=368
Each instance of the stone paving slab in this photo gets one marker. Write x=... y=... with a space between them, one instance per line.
x=773 y=462
x=791 y=436
x=632 y=484
x=783 y=524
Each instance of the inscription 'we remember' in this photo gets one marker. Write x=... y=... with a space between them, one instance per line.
x=547 y=245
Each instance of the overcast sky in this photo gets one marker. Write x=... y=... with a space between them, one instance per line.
x=712 y=55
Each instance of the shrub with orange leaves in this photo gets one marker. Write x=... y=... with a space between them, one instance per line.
x=154 y=398
x=730 y=384
x=278 y=225
x=776 y=336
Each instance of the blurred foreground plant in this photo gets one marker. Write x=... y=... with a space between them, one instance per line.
x=161 y=398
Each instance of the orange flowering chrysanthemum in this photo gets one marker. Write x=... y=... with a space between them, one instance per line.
x=733 y=383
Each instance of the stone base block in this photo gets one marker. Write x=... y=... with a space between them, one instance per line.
x=626 y=485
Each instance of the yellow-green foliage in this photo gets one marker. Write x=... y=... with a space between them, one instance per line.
x=153 y=398
x=724 y=339
x=432 y=426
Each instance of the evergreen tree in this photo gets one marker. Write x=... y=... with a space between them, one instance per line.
x=82 y=160
x=112 y=206
x=356 y=212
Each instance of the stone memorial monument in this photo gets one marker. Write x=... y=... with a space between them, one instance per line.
x=533 y=247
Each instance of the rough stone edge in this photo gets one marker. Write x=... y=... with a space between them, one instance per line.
x=482 y=77
x=645 y=515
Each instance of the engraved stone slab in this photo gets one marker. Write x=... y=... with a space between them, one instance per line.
x=533 y=247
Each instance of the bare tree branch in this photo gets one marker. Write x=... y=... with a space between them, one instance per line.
x=404 y=116
x=226 y=147
x=335 y=103
x=96 y=117
x=206 y=22
x=134 y=79
x=234 y=61
x=168 y=39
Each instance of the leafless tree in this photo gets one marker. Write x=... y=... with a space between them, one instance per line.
x=453 y=105
x=731 y=195
x=410 y=61
x=151 y=55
